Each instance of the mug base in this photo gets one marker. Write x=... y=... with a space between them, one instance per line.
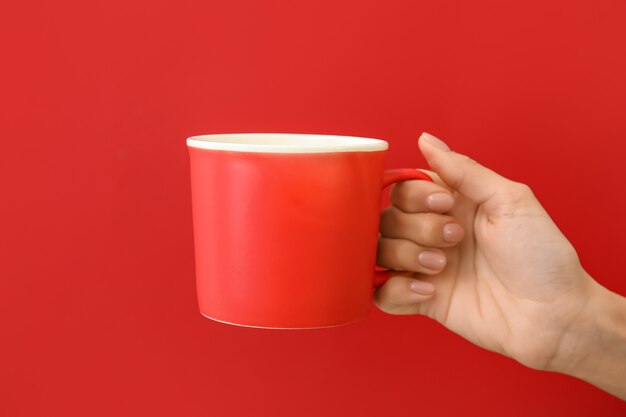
x=253 y=326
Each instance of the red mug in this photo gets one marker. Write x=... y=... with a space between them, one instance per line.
x=286 y=227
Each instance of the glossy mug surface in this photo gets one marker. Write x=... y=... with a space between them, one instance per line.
x=286 y=226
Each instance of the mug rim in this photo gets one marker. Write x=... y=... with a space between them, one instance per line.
x=286 y=143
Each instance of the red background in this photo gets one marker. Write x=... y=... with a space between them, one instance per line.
x=98 y=312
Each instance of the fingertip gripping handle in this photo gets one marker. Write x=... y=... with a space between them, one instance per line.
x=393 y=176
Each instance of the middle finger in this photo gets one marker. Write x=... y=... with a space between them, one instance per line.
x=425 y=229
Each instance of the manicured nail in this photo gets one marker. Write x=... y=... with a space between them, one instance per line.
x=422 y=287
x=452 y=233
x=432 y=260
x=435 y=141
x=439 y=201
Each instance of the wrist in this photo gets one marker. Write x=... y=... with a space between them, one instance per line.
x=593 y=346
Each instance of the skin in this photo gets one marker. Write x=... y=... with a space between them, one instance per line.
x=487 y=261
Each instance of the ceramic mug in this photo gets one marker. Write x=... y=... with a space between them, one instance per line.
x=286 y=227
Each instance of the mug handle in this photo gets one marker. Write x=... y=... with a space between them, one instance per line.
x=393 y=176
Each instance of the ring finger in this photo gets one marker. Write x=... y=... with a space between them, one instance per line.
x=404 y=255
x=426 y=229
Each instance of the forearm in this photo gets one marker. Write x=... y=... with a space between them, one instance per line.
x=594 y=349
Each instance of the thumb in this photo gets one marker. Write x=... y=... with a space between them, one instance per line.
x=474 y=181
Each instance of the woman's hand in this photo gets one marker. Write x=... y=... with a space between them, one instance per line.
x=489 y=263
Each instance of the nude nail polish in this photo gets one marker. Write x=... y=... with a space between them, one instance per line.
x=422 y=287
x=453 y=233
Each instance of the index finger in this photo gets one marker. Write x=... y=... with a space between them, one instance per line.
x=422 y=196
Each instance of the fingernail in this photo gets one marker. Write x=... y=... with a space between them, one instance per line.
x=435 y=141
x=439 y=201
x=452 y=232
x=422 y=287
x=432 y=260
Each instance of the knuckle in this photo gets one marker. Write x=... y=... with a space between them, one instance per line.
x=464 y=159
x=412 y=192
x=401 y=253
x=396 y=254
x=519 y=192
x=392 y=253
x=385 y=219
x=382 y=251
x=458 y=181
x=381 y=299
x=429 y=229
x=403 y=195
x=515 y=200
x=523 y=188
x=469 y=164
x=390 y=221
x=388 y=297
x=382 y=305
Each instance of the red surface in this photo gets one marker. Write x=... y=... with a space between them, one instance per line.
x=98 y=311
